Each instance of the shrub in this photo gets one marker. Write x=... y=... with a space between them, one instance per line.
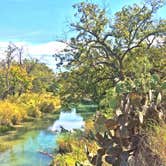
x=33 y=111
x=48 y=103
x=64 y=142
x=35 y=103
x=46 y=107
x=5 y=128
x=11 y=113
x=15 y=109
x=75 y=143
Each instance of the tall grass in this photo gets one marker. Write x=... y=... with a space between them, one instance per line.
x=73 y=145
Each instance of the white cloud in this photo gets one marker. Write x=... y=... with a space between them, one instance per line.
x=43 y=52
x=49 y=48
x=46 y=49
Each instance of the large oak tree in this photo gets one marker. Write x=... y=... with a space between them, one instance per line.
x=105 y=51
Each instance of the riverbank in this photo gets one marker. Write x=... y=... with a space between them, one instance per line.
x=30 y=106
x=30 y=124
x=37 y=136
x=23 y=113
x=72 y=146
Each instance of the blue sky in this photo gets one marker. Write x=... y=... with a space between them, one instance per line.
x=42 y=21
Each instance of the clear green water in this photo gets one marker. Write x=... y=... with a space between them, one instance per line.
x=26 y=146
x=25 y=152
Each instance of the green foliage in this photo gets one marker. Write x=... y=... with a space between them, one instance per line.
x=121 y=137
x=73 y=146
x=109 y=102
x=5 y=128
x=24 y=86
x=119 y=64
x=14 y=80
x=43 y=77
x=46 y=107
x=19 y=77
x=25 y=76
x=120 y=53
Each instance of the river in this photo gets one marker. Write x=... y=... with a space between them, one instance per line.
x=27 y=144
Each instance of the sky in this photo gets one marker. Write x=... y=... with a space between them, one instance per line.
x=38 y=24
x=42 y=21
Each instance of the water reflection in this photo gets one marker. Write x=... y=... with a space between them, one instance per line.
x=69 y=121
x=26 y=147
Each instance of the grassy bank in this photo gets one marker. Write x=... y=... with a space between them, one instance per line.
x=27 y=107
x=73 y=146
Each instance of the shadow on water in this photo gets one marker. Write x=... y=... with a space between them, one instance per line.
x=39 y=136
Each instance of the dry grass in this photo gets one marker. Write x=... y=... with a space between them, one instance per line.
x=151 y=149
x=158 y=142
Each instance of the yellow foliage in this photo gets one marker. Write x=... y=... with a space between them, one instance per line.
x=17 y=70
x=89 y=125
x=20 y=75
x=36 y=103
x=49 y=98
x=4 y=147
x=11 y=113
x=15 y=109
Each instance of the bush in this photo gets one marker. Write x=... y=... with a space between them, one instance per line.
x=47 y=107
x=35 y=103
x=64 y=142
x=11 y=113
x=29 y=101
x=5 y=128
x=16 y=109
x=48 y=103
x=33 y=111
x=74 y=144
